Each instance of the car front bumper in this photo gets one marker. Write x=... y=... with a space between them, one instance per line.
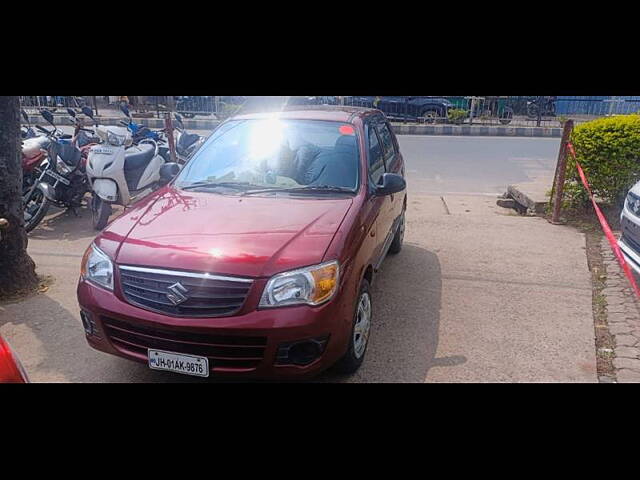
x=629 y=242
x=247 y=345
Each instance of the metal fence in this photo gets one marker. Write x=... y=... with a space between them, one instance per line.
x=465 y=110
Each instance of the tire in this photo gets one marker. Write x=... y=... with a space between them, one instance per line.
x=396 y=245
x=430 y=116
x=100 y=212
x=532 y=111
x=352 y=360
x=506 y=116
x=35 y=209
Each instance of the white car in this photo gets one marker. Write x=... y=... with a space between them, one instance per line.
x=630 y=225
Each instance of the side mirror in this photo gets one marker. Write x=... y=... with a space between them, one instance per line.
x=48 y=116
x=125 y=110
x=168 y=171
x=389 y=184
x=71 y=112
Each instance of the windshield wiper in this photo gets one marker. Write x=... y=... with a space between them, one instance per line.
x=235 y=185
x=308 y=188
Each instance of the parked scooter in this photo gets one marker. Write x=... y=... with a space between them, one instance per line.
x=186 y=143
x=140 y=132
x=62 y=180
x=120 y=172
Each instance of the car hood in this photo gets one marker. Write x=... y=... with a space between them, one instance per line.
x=245 y=236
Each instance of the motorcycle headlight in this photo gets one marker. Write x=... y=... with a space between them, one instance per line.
x=115 y=139
x=307 y=286
x=62 y=167
x=97 y=267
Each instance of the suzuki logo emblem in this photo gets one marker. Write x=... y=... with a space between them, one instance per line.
x=177 y=294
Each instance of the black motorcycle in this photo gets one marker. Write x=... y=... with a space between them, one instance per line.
x=62 y=180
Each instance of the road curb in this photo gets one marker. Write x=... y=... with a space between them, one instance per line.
x=399 y=129
x=477 y=131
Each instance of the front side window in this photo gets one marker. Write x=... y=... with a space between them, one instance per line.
x=376 y=159
x=277 y=153
x=387 y=142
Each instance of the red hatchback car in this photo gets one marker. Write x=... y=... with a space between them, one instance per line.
x=256 y=259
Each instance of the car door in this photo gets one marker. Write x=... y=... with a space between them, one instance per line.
x=376 y=206
x=392 y=106
x=393 y=164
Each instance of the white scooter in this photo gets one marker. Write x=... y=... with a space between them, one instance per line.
x=120 y=173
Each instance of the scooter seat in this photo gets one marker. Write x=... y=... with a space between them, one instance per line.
x=138 y=156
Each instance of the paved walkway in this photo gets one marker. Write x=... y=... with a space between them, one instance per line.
x=623 y=317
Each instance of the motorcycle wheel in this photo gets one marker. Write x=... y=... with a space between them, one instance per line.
x=532 y=111
x=100 y=212
x=35 y=208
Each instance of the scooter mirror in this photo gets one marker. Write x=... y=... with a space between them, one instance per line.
x=178 y=118
x=168 y=171
x=71 y=112
x=125 y=110
x=25 y=116
x=87 y=111
x=48 y=116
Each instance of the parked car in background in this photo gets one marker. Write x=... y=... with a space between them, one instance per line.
x=258 y=257
x=426 y=109
x=11 y=370
x=630 y=225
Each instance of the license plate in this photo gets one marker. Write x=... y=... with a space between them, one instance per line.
x=102 y=151
x=179 y=363
x=60 y=178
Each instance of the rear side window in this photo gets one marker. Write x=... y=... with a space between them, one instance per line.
x=376 y=159
x=387 y=141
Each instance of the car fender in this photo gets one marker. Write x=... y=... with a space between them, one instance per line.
x=106 y=189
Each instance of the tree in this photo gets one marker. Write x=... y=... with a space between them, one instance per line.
x=17 y=269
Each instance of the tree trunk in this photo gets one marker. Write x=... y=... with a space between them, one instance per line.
x=17 y=270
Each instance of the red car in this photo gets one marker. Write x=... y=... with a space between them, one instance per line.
x=11 y=370
x=257 y=258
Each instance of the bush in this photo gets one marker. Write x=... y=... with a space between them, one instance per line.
x=609 y=151
x=457 y=115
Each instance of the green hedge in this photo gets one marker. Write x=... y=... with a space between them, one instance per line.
x=609 y=151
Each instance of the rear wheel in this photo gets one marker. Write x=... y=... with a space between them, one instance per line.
x=100 y=212
x=35 y=208
x=359 y=339
x=430 y=116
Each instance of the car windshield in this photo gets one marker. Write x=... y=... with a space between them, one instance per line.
x=277 y=154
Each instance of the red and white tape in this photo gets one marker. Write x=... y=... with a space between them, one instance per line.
x=605 y=226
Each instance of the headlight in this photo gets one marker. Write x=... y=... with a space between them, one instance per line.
x=115 y=139
x=62 y=167
x=309 y=286
x=633 y=203
x=97 y=267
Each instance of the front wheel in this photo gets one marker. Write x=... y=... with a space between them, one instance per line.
x=100 y=212
x=35 y=208
x=359 y=339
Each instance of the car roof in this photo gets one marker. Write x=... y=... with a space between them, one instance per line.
x=313 y=112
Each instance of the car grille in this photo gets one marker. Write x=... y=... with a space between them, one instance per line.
x=206 y=295
x=223 y=351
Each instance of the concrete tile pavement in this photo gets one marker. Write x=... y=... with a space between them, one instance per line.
x=478 y=294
